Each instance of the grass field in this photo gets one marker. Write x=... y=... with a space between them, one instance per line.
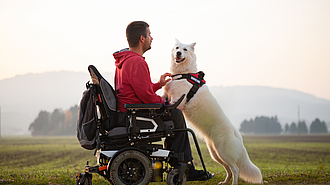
x=57 y=160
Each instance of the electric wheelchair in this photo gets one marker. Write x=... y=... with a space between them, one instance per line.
x=133 y=154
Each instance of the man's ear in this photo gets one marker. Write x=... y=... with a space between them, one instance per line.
x=142 y=38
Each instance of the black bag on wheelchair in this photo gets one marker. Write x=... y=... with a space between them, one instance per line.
x=87 y=121
x=88 y=124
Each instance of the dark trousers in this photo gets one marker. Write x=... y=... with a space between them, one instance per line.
x=180 y=143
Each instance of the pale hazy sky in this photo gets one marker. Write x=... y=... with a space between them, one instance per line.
x=278 y=43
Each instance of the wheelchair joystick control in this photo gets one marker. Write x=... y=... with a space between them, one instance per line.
x=167 y=104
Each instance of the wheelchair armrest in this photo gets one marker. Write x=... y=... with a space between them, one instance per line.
x=143 y=106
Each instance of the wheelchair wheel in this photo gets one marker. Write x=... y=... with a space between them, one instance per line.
x=172 y=177
x=131 y=167
x=84 y=179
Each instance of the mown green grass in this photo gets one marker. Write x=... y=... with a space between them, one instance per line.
x=57 y=160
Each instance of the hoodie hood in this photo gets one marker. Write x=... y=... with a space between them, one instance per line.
x=122 y=55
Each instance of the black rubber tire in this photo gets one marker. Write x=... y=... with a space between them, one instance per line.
x=172 y=177
x=88 y=180
x=85 y=179
x=130 y=167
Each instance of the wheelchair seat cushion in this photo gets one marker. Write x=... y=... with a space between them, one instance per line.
x=117 y=131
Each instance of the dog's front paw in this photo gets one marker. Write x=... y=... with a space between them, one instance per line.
x=220 y=183
x=164 y=97
x=180 y=107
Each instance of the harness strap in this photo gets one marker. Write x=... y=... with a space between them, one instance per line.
x=196 y=79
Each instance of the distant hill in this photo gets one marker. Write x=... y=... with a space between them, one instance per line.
x=24 y=96
x=247 y=102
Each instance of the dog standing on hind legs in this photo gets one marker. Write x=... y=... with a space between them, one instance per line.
x=201 y=109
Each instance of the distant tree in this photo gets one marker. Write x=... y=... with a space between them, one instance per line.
x=287 y=128
x=302 y=128
x=261 y=125
x=55 y=123
x=40 y=126
x=246 y=127
x=293 y=128
x=275 y=125
x=318 y=127
x=70 y=121
x=67 y=119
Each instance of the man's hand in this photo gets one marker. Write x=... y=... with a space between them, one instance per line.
x=163 y=81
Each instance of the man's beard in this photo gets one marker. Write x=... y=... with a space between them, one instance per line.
x=146 y=48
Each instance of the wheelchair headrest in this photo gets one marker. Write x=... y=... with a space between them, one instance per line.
x=106 y=89
x=95 y=75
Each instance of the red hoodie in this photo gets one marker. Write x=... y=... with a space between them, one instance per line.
x=132 y=80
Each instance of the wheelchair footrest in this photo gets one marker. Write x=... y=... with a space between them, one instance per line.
x=95 y=169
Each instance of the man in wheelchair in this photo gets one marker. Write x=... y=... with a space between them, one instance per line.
x=133 y=86
x=141 y=117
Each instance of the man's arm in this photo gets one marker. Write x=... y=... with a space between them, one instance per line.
x=142 y=85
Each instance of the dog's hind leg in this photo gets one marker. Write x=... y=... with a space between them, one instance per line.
x=215 y=156
x=235 y=171
x=231 y=165
x=229 y=173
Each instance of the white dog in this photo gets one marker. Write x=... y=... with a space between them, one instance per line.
x=222 y=138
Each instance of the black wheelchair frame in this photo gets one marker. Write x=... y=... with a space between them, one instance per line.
x=128 y=155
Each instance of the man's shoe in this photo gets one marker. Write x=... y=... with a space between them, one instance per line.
x=197 y=175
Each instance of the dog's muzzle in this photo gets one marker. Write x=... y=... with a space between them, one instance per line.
x=179 y=60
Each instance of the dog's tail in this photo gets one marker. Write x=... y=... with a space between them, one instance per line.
x=248 y=171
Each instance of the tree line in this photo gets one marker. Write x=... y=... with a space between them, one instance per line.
x=59 y=123
x=261 y=125
x=56 y=123
x=266 y=125
x=316 y=127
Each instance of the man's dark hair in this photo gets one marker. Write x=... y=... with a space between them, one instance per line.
x=134 y=30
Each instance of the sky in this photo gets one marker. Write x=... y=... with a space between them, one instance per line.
x=278 y=43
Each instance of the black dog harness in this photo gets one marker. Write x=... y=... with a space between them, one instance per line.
x=196 y=79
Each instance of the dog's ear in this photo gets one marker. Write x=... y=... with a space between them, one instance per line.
x=177 y=41
x=192 y=45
